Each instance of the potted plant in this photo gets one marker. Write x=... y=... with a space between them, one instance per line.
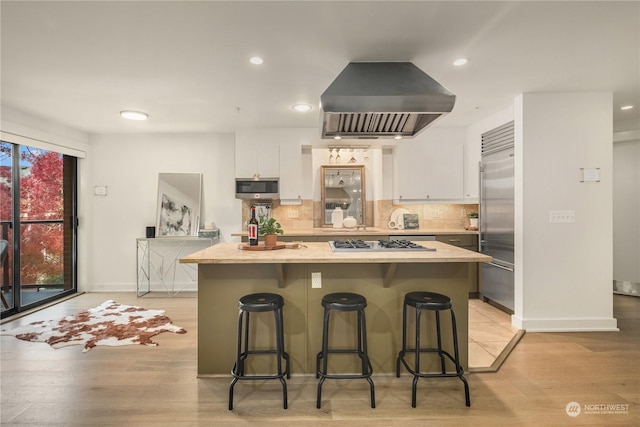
x=269 y=228
x=473 y=219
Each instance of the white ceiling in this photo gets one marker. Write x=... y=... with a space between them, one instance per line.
x=186 y=63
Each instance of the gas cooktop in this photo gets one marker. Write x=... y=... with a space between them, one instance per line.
x=376 y=245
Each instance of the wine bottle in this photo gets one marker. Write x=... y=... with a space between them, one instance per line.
x=252 y=228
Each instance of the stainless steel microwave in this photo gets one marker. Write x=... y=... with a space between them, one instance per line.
x=260 y=188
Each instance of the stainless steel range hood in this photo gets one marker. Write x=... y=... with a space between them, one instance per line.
x=370 y=100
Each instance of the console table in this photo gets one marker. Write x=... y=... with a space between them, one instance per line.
x=157 y=262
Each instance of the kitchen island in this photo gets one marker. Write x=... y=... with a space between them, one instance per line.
x=226 y=273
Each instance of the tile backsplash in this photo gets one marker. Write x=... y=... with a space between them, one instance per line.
x=309 y=214
x=432 y=216
x=298 y=217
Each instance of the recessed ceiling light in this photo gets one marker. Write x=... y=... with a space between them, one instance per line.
x=256 y=60
x=627 y=107
x=460 y=61
x=337 y=137
x=301 y=107
x=397 y=137
x=133 y=115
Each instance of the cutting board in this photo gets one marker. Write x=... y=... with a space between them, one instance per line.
x=246 y=247
x=397 y=218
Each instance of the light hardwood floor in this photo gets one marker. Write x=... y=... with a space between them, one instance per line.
x=140 y=386
x=491 y=336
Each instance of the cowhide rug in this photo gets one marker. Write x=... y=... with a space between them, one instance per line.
x=110 y=324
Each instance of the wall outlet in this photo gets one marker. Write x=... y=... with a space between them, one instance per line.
x=463 y=213
x=437 y=213
x=562 y=216
x=293 y=213
x=316 y=280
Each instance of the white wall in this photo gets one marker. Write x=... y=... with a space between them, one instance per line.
x=626 y=208
x=129 y=166
x=563 y=270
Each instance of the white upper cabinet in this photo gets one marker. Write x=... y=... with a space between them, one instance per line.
x=290 y=173
x=472 y=170
x=276 y=153
x=257 y=154
x=430 y=167
x=295 y=164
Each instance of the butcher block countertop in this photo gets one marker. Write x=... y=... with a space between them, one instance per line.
x=321 y=253
x=226 y=273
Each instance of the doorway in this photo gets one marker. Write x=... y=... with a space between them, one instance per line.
x=38 y=226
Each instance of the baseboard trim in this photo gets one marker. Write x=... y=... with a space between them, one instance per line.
x=566 y=325
x=131 y=287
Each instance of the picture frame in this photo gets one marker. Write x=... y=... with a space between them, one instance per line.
x=178 y=204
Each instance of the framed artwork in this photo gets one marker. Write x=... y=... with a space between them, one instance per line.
x=179 y=200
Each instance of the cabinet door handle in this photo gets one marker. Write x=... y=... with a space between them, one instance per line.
x=454 y=240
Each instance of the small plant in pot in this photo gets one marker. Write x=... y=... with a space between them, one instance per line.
x=269 y=228
x=473 y=219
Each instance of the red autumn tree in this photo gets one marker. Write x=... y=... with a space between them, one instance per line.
x=41 y=198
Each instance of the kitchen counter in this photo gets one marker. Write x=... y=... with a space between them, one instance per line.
x=373 y=231
x=226 y=273
x=320 y=253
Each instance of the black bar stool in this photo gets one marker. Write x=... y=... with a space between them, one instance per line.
x=344 y=302
x=433 y=302
x=256 y=303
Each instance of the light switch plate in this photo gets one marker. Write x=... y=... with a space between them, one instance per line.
x=100 y=190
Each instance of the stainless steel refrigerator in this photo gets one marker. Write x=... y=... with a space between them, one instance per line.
x=496 y=223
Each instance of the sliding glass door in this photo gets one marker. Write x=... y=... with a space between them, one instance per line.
x=6 y=222
x=38 y=222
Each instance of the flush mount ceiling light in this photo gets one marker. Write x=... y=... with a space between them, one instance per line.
x=301 y=107
x=256 y=60
x=626 y=107
x=133 y=115
x=460 y=62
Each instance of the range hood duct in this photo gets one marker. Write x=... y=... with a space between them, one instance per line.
x=371 y=100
